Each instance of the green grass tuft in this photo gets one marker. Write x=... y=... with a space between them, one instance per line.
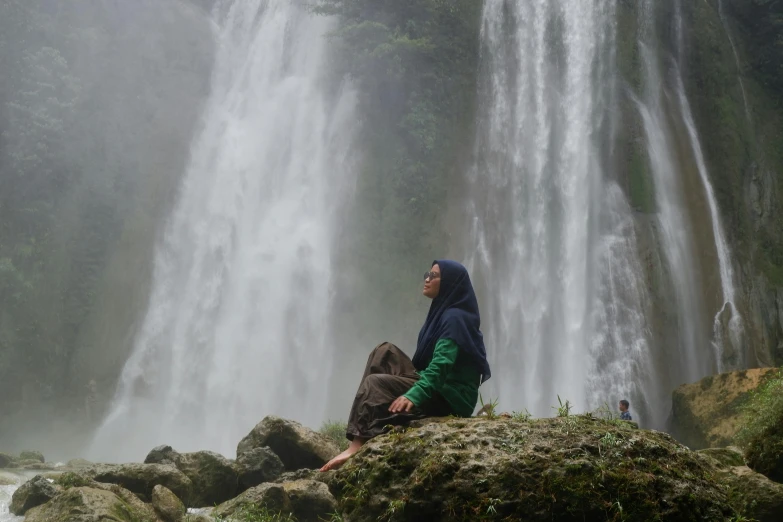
x=335 y=430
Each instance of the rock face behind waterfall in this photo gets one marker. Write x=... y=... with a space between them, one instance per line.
x=707 y=413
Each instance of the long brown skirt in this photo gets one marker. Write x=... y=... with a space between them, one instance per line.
x=389 y=374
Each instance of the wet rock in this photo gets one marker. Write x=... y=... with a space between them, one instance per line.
x=707 y=413
x=271 y=496
x=168 y=507
x=534 y=470
x=297 y=446
x=32 y=455
x=33 y=493
x=141 y=479
x=257 y=466
x=162 y=455
x=310 y=499
x=84 y=504
x=213 y=477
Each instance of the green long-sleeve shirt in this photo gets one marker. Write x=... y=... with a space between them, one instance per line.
x=451 y=374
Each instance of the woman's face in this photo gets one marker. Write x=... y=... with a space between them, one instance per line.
x=432 y=282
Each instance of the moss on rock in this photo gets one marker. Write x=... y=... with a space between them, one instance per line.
x=571 y=468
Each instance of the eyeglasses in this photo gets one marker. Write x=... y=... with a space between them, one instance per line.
x=431 y=275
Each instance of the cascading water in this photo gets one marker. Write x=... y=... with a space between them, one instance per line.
x=673 y=227
x=552 y=246
x=237 y=323
x=728 y=312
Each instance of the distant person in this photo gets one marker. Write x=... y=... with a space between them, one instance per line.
x=444 y=376
x=625 y=414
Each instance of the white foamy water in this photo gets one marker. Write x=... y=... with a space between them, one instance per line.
x=237 y=325
x=552 y=248
x=6 y=492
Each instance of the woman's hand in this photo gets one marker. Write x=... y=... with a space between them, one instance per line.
x=401 y=404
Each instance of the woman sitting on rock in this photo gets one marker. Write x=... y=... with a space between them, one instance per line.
x=444 y=376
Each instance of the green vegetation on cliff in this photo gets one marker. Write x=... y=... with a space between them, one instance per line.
x=415 y=66
x=761 y=435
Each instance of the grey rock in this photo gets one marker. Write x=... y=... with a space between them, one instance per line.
x=297 y=446
x=271 y=496
x=166 y=504
x=310 y=499
x=32 y=494
x=213 y=477
x=257 y=466
x=85 y=504
x=141 y=478
x=162 y=455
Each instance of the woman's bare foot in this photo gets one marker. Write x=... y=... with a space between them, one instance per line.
x=342 y=458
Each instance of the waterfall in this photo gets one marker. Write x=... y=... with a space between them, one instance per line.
x=237 y=324
x=728 y=311
x=552 y=247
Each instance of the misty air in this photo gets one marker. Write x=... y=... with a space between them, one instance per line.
x=414 y=260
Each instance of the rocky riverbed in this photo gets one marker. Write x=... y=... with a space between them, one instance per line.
x=577 y=467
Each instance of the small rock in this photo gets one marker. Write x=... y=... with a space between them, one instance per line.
x=162 y=455
x=167 y=505
x=257 y=466
x=271 y=496
x=84 y=504
x=6 y=460
x=32 y=455
x=297 y=446
x=310 y=499
x=33 y=493
x=213 y=477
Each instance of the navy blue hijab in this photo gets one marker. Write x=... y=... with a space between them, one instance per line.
x=454 y=315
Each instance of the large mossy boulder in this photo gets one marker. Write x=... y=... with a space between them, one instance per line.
x=708 y=413
x=83 y=504
x=140 y=479
x=297 y=446
x=575 y=468
x=33 y=493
